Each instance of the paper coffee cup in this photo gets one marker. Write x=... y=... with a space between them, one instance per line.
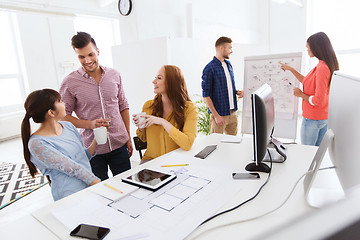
x=100 y=134
x=141 y=117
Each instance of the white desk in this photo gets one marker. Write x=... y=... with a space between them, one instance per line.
x=237 y=156
x=283 y=178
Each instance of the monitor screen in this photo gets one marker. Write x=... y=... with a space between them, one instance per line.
x=342 y=139
x=262 y=103
x=344 y=121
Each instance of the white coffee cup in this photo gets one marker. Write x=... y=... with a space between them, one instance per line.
x=141 y=118
x=100 y=134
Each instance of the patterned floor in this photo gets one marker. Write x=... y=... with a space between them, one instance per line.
x=16 y=182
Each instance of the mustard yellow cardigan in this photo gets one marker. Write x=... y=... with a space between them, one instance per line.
x=160 y=142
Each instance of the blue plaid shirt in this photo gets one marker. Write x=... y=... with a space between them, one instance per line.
x=214 y=86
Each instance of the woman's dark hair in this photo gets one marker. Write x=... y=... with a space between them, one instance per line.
x=36 y=106
x=177 y=92
x=82 y=39
x=322 y=49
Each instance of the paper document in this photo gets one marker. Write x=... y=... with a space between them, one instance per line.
x=197 y=193
x=231 y=139
x=94 y=210
x=113 y=190
x=81 y=211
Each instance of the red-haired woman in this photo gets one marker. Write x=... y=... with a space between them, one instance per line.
x=171 y=117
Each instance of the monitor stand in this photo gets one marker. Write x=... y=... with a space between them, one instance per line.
x=319 y=197
x=278 y=154
x=262 y=167
x=277 y=151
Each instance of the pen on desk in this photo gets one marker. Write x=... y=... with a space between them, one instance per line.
x=113 y=188
x=291 y=85
x=175 y=165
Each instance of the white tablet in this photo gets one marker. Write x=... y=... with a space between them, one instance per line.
x=149 y=179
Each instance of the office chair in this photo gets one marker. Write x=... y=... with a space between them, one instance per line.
x=139 y=145
x=48 y=178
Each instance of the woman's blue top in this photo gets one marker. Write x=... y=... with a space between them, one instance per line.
x=64 y=158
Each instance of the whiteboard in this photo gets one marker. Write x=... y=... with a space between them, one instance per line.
x=266 y=69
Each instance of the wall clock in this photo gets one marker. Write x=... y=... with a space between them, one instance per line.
x=124 y=7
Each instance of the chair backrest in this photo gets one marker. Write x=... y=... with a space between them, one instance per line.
x=49 y=180
x=139 y=145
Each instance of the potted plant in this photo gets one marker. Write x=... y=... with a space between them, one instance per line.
x=203 y=124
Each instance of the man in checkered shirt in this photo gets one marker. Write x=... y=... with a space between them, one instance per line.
x=219 y=90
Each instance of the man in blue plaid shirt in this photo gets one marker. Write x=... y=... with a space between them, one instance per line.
x=219 y=90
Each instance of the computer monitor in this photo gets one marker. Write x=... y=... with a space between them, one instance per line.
x=262 y=105
x=343 y=135
x=344 y=121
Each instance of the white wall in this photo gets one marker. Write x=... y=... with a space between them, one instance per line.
x=191 y=28
x=46 y=28
x=287 y=27
x=186 y=28
x=63 y=7
x=201 y=19
x=138 y=64
x=184 y=34
x=45 y=40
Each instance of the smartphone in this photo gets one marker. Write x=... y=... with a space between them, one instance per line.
x=206 y=151
x=245 y=175
x=90 y=232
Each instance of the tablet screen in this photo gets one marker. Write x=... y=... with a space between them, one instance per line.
x=149 y=179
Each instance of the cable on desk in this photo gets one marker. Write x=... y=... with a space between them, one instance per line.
x=248 y=200
x=267 y=213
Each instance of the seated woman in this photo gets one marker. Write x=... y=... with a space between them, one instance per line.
x=171 y=117
x=56 y=148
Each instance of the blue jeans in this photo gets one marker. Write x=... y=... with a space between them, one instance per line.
x=313 y=131
x=118 y=160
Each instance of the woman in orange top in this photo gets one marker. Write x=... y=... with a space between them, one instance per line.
x=171 y=117
x=316 y=85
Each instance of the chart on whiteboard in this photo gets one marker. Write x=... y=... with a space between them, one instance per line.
x=266 y=69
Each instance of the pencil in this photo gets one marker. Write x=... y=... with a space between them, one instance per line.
x=175 y=165
x=113 y=188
